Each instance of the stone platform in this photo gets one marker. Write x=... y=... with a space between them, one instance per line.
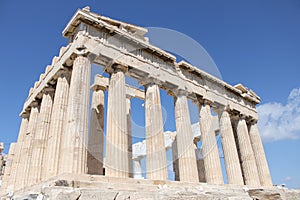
x=88 y=187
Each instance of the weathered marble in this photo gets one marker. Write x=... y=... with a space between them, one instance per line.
x=117 y=160
x=74 y=143
x=129 y=133
x=96 y=139
x=14 y=178
x=212 y=164
x=232 y=163
x=28 y=146
x=185 y=140
x=137 y=169
x=246 y=154
x=156 y=164
x=260 y=157
x=200 y=163
x=117 y=47
x=58 y=121
x=40 y=138
x=8 y=169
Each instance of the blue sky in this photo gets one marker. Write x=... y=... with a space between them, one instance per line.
x=255 y=43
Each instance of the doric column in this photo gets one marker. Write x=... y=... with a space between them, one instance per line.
x=96 y=142
x=212 y=164
x=117 y=162
x=247 y=158
x=28 y=141
x=58 y=121
x=186 y=149
x=156 y=162
x=200 y=162
x=14 y=177
x=175 y=159
x=129 y=132
x=40 y=137
x=232 y=163
x=260 y=157
x=74 y=144
x=137 y=169
x=8 y=169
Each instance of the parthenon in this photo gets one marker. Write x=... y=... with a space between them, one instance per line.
x=63 y=133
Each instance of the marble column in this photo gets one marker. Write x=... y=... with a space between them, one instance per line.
x=117 y=162
x=129 y=132
x=232 y=162
x=8 y=169
x=156 y=162
x=14 y=178
x=137 y=169
x=200 y=162
x=260 y=157
x=186 y=149
x=58 y=121
x=246 y=154
x=75 y=137
x=28 y=141
x=175 y=159
x=212 y=164
x=40 y=137
x=96 y=142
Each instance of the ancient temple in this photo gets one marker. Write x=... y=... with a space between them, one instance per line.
x=57 y=139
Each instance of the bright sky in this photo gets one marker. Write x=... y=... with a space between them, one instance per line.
x=255 y=43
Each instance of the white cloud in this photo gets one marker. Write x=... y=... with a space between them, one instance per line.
x=287 y=179
x=278 y=121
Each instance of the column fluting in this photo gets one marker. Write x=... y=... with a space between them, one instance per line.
x=260 y=156
x=232 y=163
x=116 y=161
x=185 y=140
x=212 y=164
x=75 y=137
x=156 y=162
x=247 y=159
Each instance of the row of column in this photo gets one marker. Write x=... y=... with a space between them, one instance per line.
x=52 y=137
x=240 y=165
x=240 y=170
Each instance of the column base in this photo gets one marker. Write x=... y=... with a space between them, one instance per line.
x=72 y=186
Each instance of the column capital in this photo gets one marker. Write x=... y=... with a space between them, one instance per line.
x=25 y=115
x=178 y=92
x=252 y=121
x=129 y=96
x=222 y=108
x=116 y=67
x=48 y=90
x=203 y=101
x=81 y=51
x=150 y=81
x=64 y=72
x=34 y=104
